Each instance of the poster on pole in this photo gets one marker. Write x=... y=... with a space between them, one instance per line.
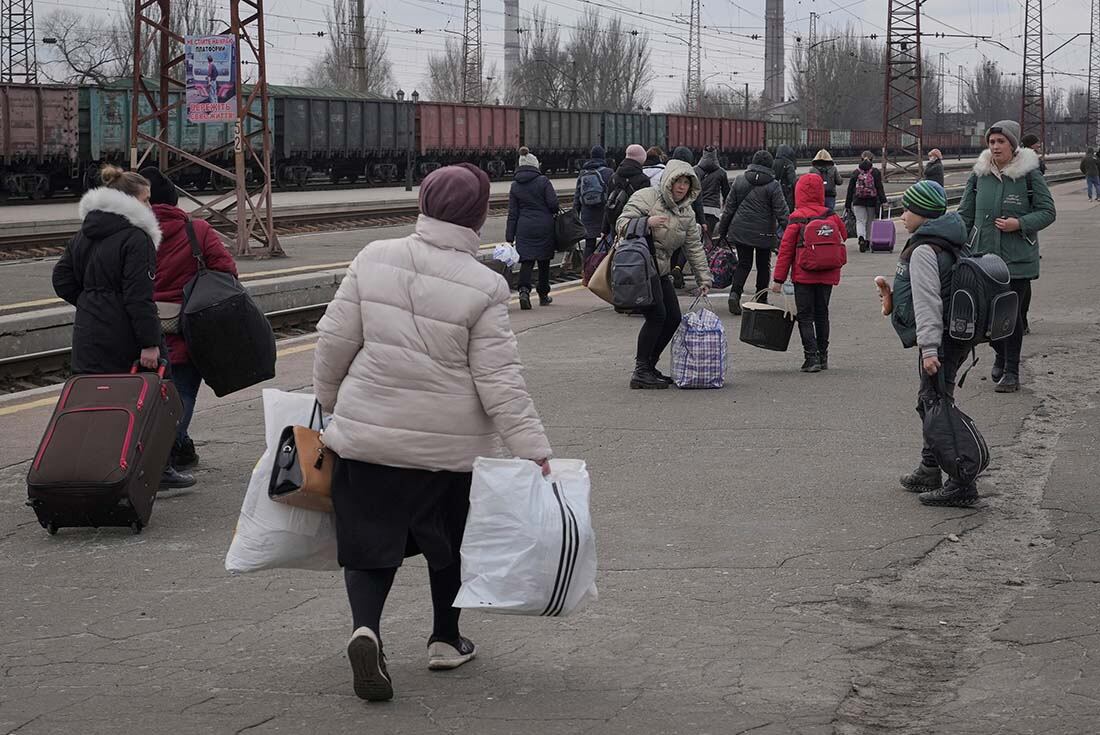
x=211 y=88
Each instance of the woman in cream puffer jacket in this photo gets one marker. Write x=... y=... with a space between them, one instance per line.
x=419 y=367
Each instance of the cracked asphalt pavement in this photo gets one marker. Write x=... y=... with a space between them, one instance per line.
x=760 y=569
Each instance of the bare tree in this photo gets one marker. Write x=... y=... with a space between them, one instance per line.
x=444 y=81
x=989 y=97
x=187 y=18
x=844 y=81
x=83 y=51
x=337 y=66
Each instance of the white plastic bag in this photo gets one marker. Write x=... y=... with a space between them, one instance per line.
x=274 y=535
x=506 y=254
x=529 y=548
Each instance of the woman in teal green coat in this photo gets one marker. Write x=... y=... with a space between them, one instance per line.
x=1005 y=204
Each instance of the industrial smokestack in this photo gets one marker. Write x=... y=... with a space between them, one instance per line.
x=774 y=67
x=511 y=42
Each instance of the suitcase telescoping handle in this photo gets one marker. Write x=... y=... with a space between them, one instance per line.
x=162 y=366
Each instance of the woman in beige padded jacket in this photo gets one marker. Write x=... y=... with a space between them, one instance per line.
x=420 y=369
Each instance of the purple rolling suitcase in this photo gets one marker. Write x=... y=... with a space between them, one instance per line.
x=882 y=235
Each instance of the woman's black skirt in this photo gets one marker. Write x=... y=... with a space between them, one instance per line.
x=384 y=514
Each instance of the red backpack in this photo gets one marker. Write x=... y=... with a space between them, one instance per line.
x=820 y=244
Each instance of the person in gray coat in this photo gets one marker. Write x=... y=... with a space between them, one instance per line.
x=532 y=206
x=754 y=212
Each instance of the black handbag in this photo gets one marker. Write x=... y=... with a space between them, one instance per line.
x=228 y=337
x=960 y=449
x=568 y=230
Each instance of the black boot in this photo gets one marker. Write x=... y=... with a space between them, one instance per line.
x=644 y=378
x=545 y=299
x=183 y=456
x=823 y=359
x=658 y=373
x=525 y=300
x=953 y=494
x=998 y=370
x=735 y=303
x=923 y=479
x=1010 y=383
x=677 y=277
x=863 y=246
x=812 y=364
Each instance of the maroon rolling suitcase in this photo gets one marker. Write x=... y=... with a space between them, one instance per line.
x=101 y=458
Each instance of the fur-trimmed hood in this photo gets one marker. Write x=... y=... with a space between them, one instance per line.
x=1025 y=162
x=114 y=202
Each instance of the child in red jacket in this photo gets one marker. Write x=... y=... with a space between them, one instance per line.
x=812 y=253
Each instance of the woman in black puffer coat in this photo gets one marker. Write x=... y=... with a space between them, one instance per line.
x=532 y=205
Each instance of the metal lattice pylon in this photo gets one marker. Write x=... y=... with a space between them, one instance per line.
x=695 y=76
x=246 y=208
x=901 y=117
x=18 y=59
x=811 y=73
x=1092 y=135
x=1032 y=104
x=471 y=53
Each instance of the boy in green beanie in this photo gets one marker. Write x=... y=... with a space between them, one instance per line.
x=922 y=285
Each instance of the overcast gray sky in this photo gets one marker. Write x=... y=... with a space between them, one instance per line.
x=728 y=56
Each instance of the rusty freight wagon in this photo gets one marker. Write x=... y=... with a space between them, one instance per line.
x=448 y=133
x=39 y=139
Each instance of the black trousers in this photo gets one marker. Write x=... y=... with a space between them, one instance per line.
x=526 y=268
x=679 y=259
x=662 y=319
x=952 y=356
x=1008 y=349
x=812 y=303
x=369 y=588
x=589 y=246
x=745 y=256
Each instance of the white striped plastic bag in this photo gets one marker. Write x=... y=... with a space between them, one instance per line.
x=529 y=548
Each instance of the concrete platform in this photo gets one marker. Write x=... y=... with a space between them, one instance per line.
x=760 y=570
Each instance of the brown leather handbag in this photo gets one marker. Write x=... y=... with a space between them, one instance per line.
x=302 y=475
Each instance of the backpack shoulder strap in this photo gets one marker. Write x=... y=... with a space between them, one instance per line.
x=1030 y=191
x=196 y=251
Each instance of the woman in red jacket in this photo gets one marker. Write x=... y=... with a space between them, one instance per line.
x=812 y=252
x=175 y=267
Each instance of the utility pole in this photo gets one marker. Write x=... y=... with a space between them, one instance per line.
x=959 y=104
x=941 y=103
x=902 y=109
x=811 y=76
x=246 y=208
x=694 y=78
x=1033 y=103
x=471 y=53
x=1092 y=124
x=18 y=60
x=360 y=30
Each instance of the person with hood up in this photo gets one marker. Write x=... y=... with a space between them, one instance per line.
x=655 y=160
x=629 y=177
x=824 y=167
x=785 y=168
x=1005 y=204
x=418 y=365
x=921 y=289
x=866 y=195
x=812 y=288
x=176 y=266
x=1090 y=167
x=107 y=273
x=532 y=206
x=715 y=181
x=754 y=212
x=671 y=224
x=679 y=258
x=590 y=196
x=933 y=170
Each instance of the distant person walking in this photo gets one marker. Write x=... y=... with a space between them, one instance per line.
x=1090 y=167
x=629 y=177
x=824 y=167
x=418 y=366
x=1031 y=140
x=591 y=194
x=715 y=181
x=1005 y=204
x=655 y=160
x=785 y=168
x=933 y=170
x=671 y=225
x=754 y=211
x=532 y=206
x=866 y=195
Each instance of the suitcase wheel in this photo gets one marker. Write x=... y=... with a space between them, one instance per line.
x=136 y=527
x=51 y=528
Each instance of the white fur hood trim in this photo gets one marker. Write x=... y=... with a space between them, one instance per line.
x=124 y=205
x=1025 y=162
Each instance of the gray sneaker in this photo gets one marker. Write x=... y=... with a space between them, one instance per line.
x=368 y=667
x=445 y=655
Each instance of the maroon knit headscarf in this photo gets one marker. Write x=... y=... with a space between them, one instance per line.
x=456 y=194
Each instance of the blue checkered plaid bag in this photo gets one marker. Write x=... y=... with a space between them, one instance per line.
x=699 y=350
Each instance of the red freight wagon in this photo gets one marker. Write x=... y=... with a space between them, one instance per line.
x=870 y=140
x=694 y=132
x=465 y=129
x=816 y=139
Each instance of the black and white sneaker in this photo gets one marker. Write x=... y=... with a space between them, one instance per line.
x=368 y=667
x=445 y=655
x=952 y=494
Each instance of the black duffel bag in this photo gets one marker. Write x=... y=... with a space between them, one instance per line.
x=959 y=447
x=227 y=335
x=568 y=230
